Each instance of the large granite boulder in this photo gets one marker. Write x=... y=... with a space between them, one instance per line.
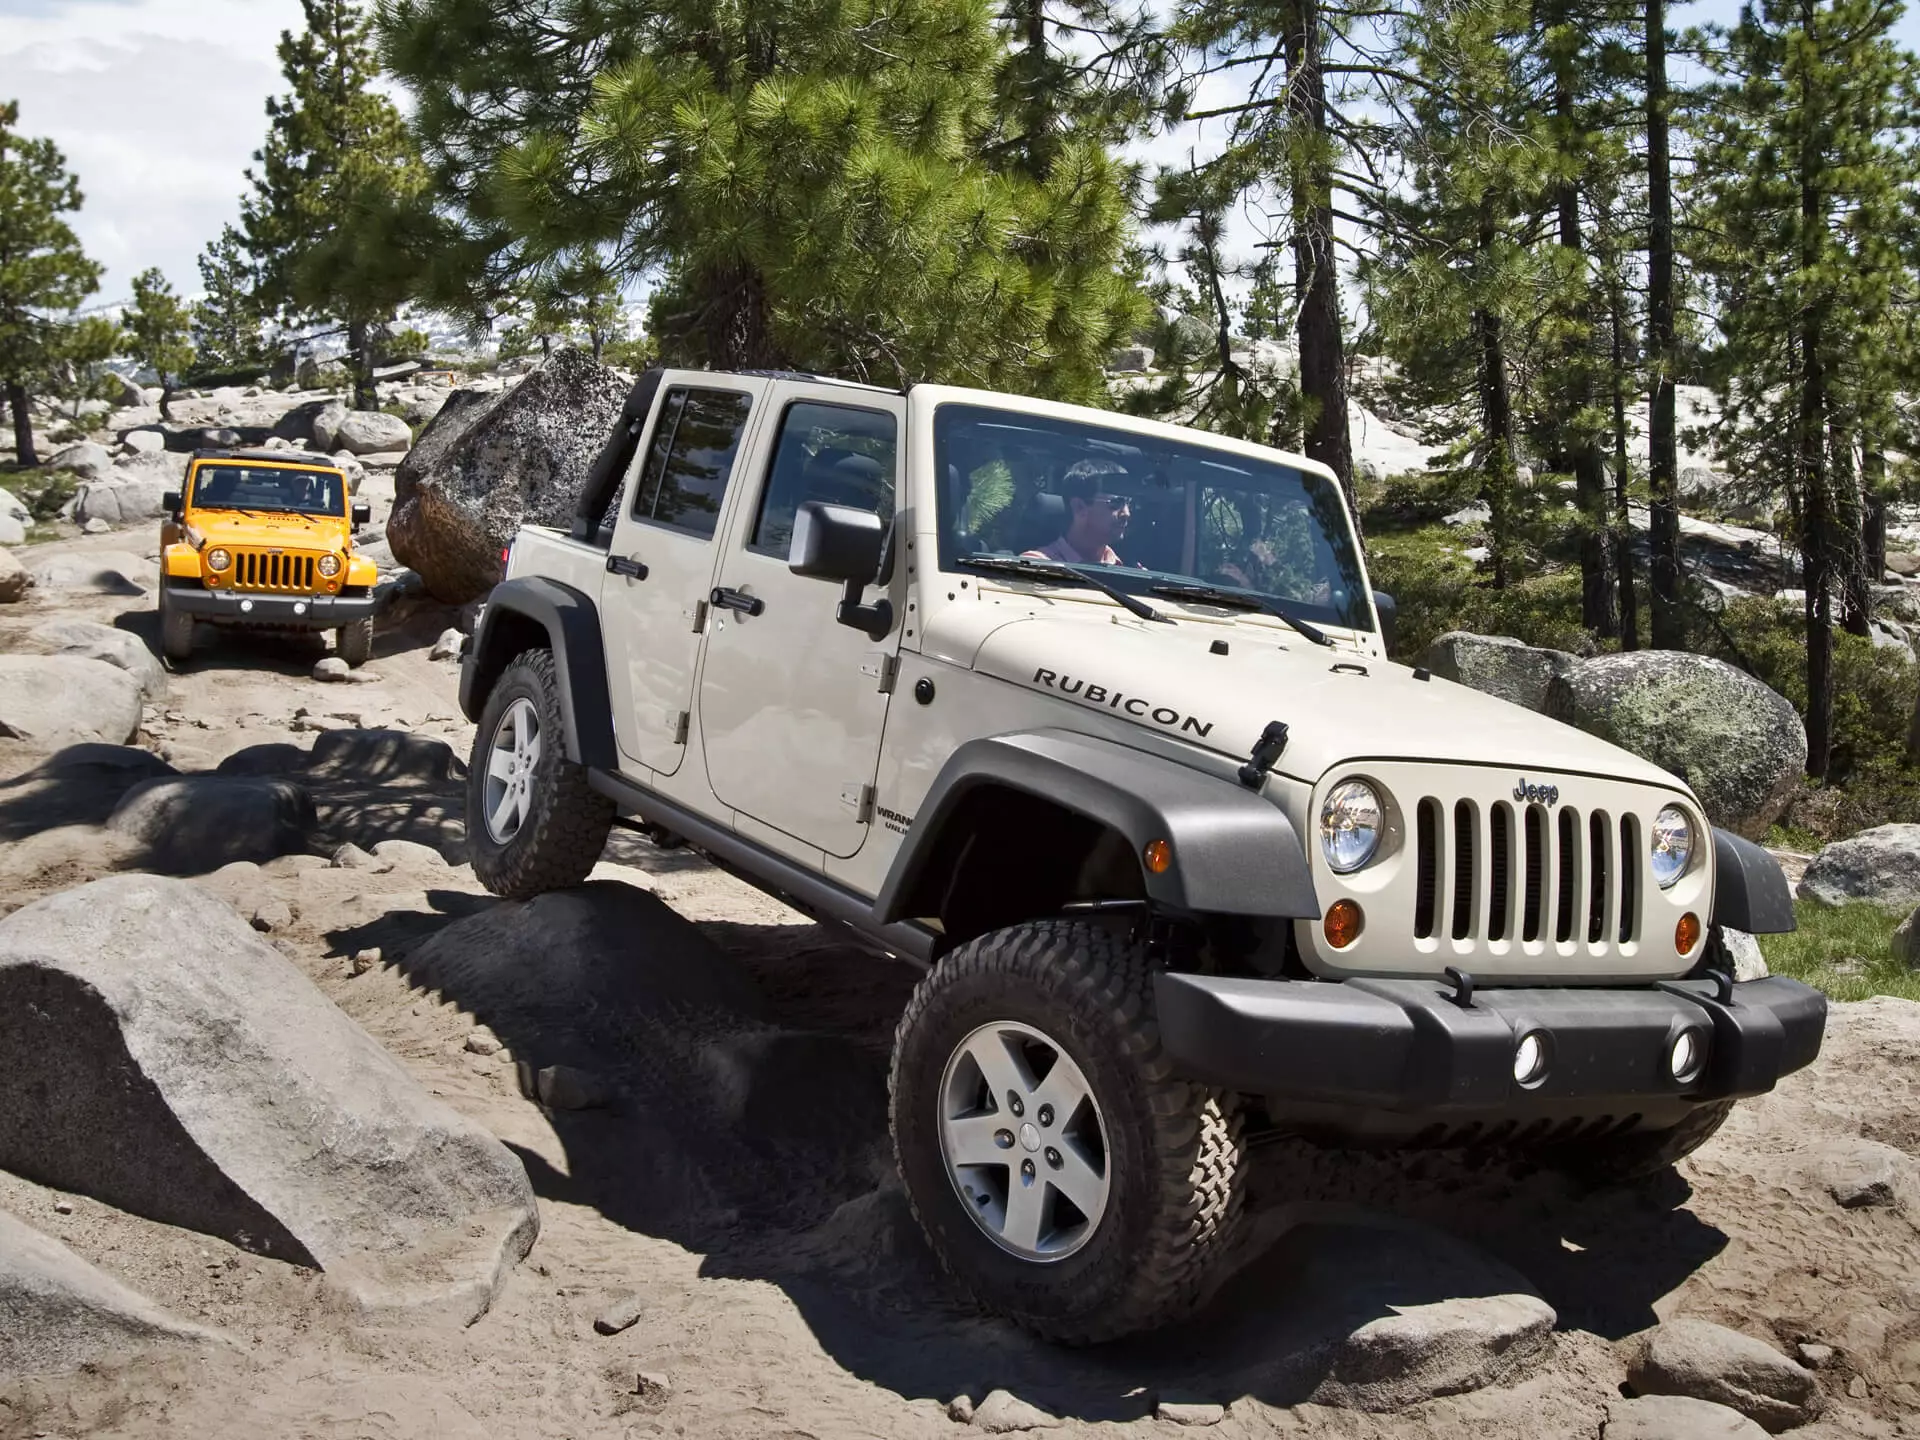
x=372 y=432
x=1740 y=745
x=14 y=579
x=167 y=1061
x=1499 y=665
x=57 y=700
x=1704 y=1361
x=91 y=640
x=191 y=824
x=490 y=463
x=87 y=460
x=1880 y=866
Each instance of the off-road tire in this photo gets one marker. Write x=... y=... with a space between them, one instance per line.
x=355 y=642
x=1639 y=1154
x=566 y=828
x=1174 y=1152
x=176 y=629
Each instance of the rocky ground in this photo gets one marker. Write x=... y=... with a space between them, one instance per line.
x=694 y=1080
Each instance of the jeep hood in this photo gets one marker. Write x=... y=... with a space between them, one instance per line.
x=1167 y=678
x=269 y=527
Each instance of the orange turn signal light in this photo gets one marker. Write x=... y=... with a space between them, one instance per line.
x=1159 y=856
x=1343 y=924
x=1686 y=934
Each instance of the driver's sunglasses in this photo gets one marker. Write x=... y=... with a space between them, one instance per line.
x=1116 y=503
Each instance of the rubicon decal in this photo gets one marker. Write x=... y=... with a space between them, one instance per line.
x=1136 y=706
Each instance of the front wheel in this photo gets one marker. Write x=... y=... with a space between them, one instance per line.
x=533 y=822
x=1061 y=1171
x=356 y=642
x=176 y=628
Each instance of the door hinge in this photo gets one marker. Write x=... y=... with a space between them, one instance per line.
x=882 y=668
x=859 y=799
x=699 y=615
x=677 y=724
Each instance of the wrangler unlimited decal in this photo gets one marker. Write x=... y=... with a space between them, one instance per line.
x=1116 y=700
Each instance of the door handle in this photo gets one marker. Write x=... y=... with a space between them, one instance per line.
x=623 y=565
x=724 y=598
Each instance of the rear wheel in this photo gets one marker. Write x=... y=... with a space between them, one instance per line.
x=533 y=822
x=176 y=627
x=1062 y=1173
x=356 y=642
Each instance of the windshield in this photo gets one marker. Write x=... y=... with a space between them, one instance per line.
x=269 y=487
x=1145 y=514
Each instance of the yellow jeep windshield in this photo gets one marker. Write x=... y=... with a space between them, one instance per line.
x=269 y=487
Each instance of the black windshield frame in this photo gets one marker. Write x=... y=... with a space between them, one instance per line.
x=1192 y=507
x=252 y=487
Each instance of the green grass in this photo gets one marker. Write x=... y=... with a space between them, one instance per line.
x=1827 y=935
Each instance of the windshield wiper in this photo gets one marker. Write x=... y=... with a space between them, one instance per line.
x=1240 y=600
x=1031 y=569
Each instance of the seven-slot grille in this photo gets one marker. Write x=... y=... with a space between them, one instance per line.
x=271 y=570
x=1524 y=872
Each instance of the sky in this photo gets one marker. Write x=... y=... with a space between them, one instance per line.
x=159 y=106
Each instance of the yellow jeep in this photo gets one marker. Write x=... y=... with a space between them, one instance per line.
x=264 y=538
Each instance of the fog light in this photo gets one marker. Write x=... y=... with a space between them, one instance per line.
x=1530 y=1059
x=1159 y=856
x=1686 y=934
x=246 y=607
x=299 y=607
x=1343 y=924
x=1687 y=1057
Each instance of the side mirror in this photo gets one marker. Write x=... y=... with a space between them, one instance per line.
x=362 y=513
x=1389 y=610
x=838 y=542
x=171 y=503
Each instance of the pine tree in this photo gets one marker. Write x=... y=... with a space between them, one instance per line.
x=43 y=270
x=77 y=353
x=337 y=223
x=1663 y=477
x=1805 y=170
x=159 y=333
x=226 y=318
x=805 y=180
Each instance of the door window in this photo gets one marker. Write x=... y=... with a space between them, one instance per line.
x=832 y=453
x=691 y=459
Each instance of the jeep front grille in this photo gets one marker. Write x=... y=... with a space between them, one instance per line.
x=1523 y=872
x=269 y=570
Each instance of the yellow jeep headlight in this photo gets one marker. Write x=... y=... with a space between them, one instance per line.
x=329 y=566
x=218 y=560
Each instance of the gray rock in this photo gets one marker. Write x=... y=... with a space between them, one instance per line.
x=14 y=579
x=1888 y=635
x=58 y=700
x=370 y=432
x=448 y=646
x=490 y=463
x=1699 y=483
x=145 y=441
x=960 y=1409
x=622 y=1314
x=106 y=572
x=1880 y=866
x=87 y=460
x=94 y=525
x=194 y=824
x=1865 y=1175
x=1187 y=1412
x=484 y=1042
x=365 y=960
x=1704 y=1361
x=119 y=648
x=1744 y=951
x=127 y=395
x=333 y=669
x=1906 y=941
x=58 y=1313
x=566 y=1087
x=391 y=757
x=409 y=853
x=652 y=1385
x=1003 y=1413
x=1899 y=562
x=352 y=857
x=13 y=507
x=1899 y=603
x=12 y=532
x=1477 y=513
x=323 y=428
x=1130 y=360
x=271 y=915
x=1478 y=554
x=1814 y=1355
x=1739 y=745
x=1498 y=665
x=1676 y=1417
x=210 y=1085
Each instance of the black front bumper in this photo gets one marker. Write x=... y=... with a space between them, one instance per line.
x=1408 y=1048
x=313 y=612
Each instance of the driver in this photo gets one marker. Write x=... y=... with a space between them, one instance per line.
x=1095 y=518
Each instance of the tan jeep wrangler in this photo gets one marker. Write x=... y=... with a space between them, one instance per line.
x=1091 y=718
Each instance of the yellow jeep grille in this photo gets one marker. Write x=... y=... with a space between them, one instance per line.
x=271 y=570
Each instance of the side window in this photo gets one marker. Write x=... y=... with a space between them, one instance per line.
x=691 y=458
x=826 y=452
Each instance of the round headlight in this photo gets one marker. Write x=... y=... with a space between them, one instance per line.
x=329 y=565
x=1350 y=826
x=1672 y=845
x=218 y=559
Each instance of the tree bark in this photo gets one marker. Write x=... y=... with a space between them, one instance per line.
x=1662 y=453
x=1816 y=523
x=1323 y=361
x=1873 y=527
x=1496 y=418
x=166 y=400
x=1622 y=474
x=22 y=424
x=1856 y=606
x=366 y=395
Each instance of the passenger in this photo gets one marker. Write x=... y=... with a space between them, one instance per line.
x=1095 y=519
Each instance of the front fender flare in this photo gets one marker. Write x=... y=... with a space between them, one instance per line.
x=1749 y=892
x=1234 y=853
x=529 y=611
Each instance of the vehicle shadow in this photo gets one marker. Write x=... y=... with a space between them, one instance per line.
x=749 y=1066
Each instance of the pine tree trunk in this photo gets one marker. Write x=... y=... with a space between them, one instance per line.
x=739 y=330
x=1849 y=522
x=1816 y=522
x=1873 y=528
x=1597 y=611
x=166 y=400
x=1323 y=361
x=1662 y=454
x=360 y=357
x=22 y=424
x=1496 y=418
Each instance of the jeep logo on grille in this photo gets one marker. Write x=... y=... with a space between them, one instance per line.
x=1545 y=794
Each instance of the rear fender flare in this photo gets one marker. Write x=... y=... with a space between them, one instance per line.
x=523 y=614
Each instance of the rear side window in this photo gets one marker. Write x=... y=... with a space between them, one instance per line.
x=691 y=459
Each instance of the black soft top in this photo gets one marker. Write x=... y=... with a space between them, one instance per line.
x=284 y=457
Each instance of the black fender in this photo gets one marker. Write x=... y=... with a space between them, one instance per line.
x=1234 y=853
x=532 y=611
x=1749 y=892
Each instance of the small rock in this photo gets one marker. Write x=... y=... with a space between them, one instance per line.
x=482 y=1042
x=1815 y=1356
x=1676 y=1417
x=396 y=853
x=448 y=646
x=1864 y=1174
x=653 y=1385
x=623 y=1313
x=1744 y=951
x=272 y=915
x=365 y=960
x=1178 y=1412
x=333 y=669
x=562 y=1087
x=960 y=1409
x=95 y=526
x=1705 y=1361
x=1002 y=1414
x=352 y=857
x=1906 y=941
x=63 y=1207
x=1857 y=1388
